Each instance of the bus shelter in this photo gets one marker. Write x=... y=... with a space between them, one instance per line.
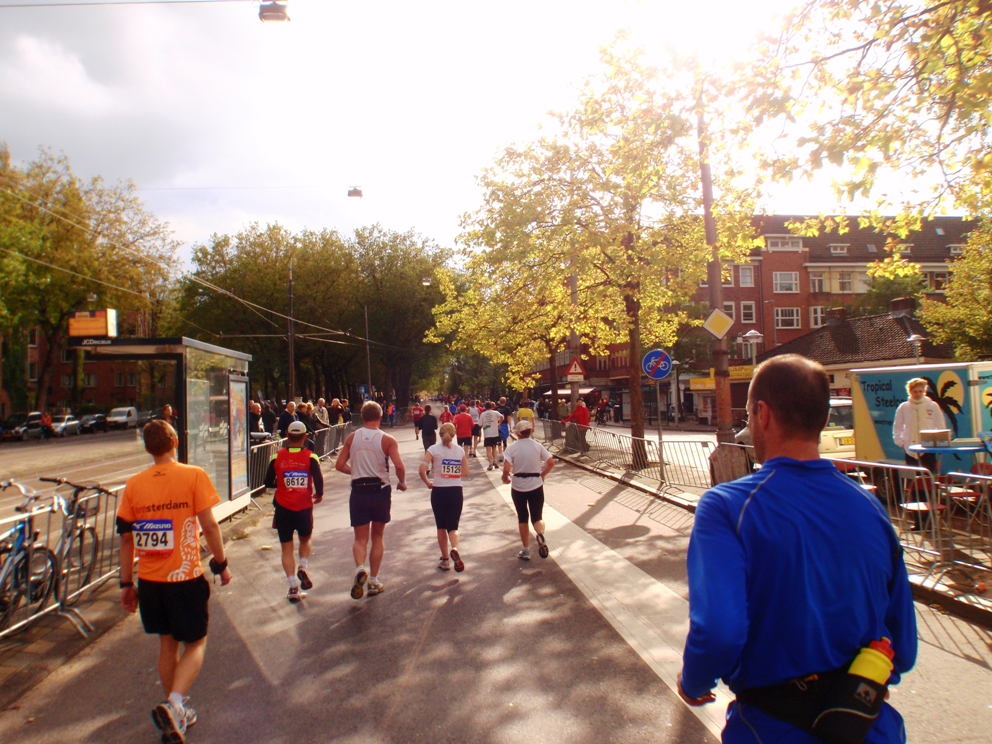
x=210 y=405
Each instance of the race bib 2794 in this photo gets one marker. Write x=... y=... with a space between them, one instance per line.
x=153 y=536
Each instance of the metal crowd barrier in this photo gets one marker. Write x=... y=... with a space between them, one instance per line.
x=96 y=515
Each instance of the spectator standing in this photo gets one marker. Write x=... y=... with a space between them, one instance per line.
x=913 y=415
x=269 y=418
x=287 y=417
x=254 y=417
x=793 y=572
x=579 y=417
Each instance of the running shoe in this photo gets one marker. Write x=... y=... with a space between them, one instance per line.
x=358 y=588
x=375 y=587
x=524 y=554
x=304 y=578
x=295 y=595
x=171 y=721
x=457 y=560
x=190 y=713
x=490 y=467
x=542 y=549
x=444 y=564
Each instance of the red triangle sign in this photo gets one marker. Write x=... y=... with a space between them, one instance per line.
x=575 y=368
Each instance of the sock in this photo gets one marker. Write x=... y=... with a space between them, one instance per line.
x=304 y=562
x=372 y=578
x=176 y=699
x=293 y=581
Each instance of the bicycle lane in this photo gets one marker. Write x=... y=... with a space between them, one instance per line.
x=506 y=651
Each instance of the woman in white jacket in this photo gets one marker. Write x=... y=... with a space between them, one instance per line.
x=916 y=414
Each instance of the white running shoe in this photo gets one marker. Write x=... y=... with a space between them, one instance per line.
x=171 y=721
x=375 y=587
x=444 y=564
x=524 y=554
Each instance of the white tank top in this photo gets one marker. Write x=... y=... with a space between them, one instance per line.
x=366 y=455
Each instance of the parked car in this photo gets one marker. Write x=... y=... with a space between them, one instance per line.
x=11 y=425
x=123 y=418
x=93 y=423
x=64 y=426
x=145 y=416
x=30 y=429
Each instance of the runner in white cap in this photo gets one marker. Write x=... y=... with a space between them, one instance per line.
x=530 y=462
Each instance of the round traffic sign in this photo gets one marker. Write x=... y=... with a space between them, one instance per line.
x=657 y=365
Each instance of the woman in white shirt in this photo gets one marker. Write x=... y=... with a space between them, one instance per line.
x=531 y=462
x=916 y=414
x=450 y=464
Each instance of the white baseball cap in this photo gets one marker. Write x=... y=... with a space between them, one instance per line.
x=523 y=425
x=297 y=427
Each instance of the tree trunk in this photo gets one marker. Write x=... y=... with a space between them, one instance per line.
x=638 y=448
x=554 y=386
x=45 y=369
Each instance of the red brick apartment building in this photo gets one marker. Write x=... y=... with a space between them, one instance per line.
x=785 y=289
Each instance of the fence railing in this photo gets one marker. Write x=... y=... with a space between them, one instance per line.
x=68 y=556
x=324 y=442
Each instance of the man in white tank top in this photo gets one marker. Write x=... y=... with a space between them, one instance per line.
x=365 y=457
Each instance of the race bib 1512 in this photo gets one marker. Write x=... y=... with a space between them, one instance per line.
x=451 y=468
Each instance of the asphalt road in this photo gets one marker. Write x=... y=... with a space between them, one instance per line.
x=582 y=647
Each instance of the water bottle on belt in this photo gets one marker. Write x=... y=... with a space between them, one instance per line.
x=856 y=698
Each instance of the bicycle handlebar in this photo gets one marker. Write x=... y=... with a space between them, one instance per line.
x=77 y=486
x=25 y=490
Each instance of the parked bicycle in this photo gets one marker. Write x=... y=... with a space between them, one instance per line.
x=28 y=568
x=79 y=544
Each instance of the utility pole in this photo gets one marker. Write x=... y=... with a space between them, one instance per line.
x=721 y=352
x=573 y=339
x=368 y=355
x=292 y=358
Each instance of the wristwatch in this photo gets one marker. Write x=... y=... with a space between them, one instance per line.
x=126 y=584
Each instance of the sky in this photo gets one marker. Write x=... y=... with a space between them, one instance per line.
x=222 y=120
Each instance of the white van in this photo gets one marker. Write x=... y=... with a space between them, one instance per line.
x=837 y=437
x=122 y=418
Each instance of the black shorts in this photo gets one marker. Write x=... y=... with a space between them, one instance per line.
x=532 y=500
x=446 y=501
x=429 y=441
x=177 y=609
x=464 y=441
x=369 y=506
x=287 y=522
x=476 y=430
x=491 y=442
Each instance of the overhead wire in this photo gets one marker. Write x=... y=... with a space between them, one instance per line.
x=97 y=3
x=209 y=285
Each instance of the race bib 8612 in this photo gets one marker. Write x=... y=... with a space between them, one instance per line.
x=296 y=479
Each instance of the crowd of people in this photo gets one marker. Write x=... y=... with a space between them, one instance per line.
x=807 y=630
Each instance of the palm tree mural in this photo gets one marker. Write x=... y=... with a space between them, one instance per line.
x=948 y=404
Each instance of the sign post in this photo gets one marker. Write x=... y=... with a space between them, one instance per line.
x=657 y=365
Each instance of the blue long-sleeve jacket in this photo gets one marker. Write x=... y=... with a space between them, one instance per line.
x=792 y=570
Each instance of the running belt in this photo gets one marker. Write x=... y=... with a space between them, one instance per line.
x=526 y=475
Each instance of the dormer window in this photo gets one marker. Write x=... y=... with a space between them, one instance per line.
x=956 y=250
x=939 y=230
x=838 y=250
x=783 y=243
x=872 y=248
x=904 y=248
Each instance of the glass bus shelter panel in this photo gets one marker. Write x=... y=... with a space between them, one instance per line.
x=208 y=413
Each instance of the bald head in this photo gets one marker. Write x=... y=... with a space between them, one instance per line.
x=796 y=390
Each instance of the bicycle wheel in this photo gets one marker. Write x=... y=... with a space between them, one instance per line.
x=43 y=577
x=10 y=596
x=78 y=563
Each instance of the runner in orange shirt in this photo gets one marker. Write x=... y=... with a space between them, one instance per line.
x=157 y=520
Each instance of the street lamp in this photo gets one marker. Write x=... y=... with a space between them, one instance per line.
x=916 y=340
x=273 y=12
x=678 y=404
x=426 y=281
x=752 y=338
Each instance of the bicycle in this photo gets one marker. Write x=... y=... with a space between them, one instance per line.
x=79 y=544
x=29 y=568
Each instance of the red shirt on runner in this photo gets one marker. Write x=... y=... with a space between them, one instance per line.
x=463 y=425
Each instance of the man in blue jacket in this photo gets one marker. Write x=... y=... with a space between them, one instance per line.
x=792 y=570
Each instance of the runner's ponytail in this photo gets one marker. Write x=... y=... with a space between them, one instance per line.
x=447 y=433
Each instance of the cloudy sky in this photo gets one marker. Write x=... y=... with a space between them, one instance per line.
x=222 y=120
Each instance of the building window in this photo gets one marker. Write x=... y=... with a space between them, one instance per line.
x=746 y=274
x=956 y=250
x=132 y=379
x=67 y=382
x=784 y=244
x=728 y=280
x=728 y=308
x=816 y=283
x=747 y=312
x=602 y=363
x=788 y=317
x=817 y=314
x=845 y=282
x=838 y=250
x=864 y=283
x=33 y=371
x=89 y=380
x=872 y=248
x=785 y=281
x=33 y=337
x=119 y=379
x=936 y=281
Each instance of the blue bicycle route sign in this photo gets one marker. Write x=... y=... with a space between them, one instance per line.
x=657 y=365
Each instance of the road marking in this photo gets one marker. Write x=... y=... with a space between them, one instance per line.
x=649 y=616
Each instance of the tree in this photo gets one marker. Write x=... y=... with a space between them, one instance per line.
x=64 y=239
x=613 y=199
x=965 y=318
x=898 y=86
